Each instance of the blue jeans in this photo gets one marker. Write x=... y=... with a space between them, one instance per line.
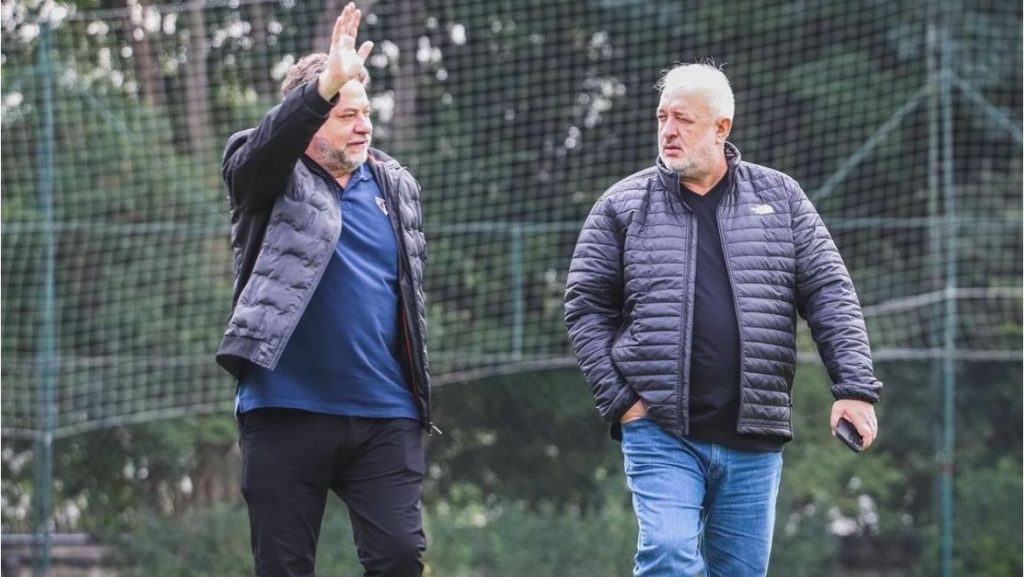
x=704 y=510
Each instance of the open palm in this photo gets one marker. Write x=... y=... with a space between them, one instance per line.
x=344 y=62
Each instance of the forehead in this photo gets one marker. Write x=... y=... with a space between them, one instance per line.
x=352 y=95
x=685 y=99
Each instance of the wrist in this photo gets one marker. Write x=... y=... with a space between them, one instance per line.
x=327 y=86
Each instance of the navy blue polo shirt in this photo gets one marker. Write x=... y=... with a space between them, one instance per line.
x=342 y=358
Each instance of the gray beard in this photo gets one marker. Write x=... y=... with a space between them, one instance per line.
x=693 y=165
x=335 y=161
x=689 y=167
x=683 y=167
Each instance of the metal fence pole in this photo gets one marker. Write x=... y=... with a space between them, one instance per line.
x=950 y=313
x=47 y=353
x=935 y=251
x=518 y=293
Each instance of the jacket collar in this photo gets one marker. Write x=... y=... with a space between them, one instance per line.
x=384 y=169
x=378 y=156
x=670 y=180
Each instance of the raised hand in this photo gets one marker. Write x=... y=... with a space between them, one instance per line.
x=344 y=62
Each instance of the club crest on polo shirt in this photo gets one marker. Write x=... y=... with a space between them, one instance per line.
x=381 y=205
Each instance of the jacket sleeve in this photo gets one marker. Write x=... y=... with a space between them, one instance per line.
x=593 y=310
x=257 y=162
x=828 y=301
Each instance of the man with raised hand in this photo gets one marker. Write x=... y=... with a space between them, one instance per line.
x=681 y=306
x=327 y=332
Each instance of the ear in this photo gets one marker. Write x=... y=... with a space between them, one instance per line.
x=722 y=128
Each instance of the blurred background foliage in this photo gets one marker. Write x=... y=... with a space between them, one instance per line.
x=514 y=116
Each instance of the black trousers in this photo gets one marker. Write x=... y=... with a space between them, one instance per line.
x=291 y=458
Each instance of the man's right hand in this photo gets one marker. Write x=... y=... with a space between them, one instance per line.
x=344 y=63
x=636 y=412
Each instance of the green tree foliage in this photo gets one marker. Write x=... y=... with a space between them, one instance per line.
x=523 y=112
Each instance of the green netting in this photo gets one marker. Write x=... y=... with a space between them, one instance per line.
x=902 y=120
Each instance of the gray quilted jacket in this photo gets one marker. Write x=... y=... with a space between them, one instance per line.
x=629 y=297
x=285 y=222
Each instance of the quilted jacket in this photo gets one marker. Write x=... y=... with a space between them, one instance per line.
x=629 y=297
x=285 y=222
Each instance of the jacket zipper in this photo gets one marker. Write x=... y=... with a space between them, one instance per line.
x=735 y=300
x=406 y=326
x=684 y=384
x=431 y=427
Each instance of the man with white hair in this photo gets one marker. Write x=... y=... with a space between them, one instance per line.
x=681 y=306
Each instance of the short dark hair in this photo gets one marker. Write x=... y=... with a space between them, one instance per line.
x=307 y=69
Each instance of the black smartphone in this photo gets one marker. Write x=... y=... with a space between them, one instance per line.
x=848 y=434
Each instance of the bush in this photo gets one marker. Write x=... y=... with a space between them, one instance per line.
x=466 y=542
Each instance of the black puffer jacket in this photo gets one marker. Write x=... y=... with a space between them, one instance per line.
x=285 y=223
x=629 y=297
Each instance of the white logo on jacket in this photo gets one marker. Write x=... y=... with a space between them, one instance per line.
x=763 y=209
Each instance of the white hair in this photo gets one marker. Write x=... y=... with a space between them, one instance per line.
x=704 y=78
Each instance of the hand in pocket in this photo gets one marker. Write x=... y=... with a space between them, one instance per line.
x=636 y=412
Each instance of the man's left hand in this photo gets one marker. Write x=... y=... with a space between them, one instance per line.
x=861 y=414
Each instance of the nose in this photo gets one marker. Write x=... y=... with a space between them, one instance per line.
x=667 y=129
x=363 y=125
x=667 y=133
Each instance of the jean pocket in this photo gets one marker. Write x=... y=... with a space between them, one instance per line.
x=639 y=432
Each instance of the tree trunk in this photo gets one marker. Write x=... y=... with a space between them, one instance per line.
x=147 y=64
x=261 y=75
x=324 y=27
x=213 y=479
x=405 y=72
x=196 y=81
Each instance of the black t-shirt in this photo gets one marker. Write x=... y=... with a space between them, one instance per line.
x=715 y=353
